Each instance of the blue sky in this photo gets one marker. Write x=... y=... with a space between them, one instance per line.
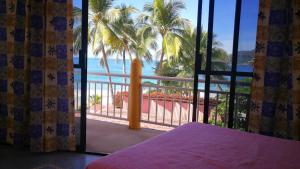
x=223 y=21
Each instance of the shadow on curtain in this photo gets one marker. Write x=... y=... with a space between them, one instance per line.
x=275 y=107
x=36 y=74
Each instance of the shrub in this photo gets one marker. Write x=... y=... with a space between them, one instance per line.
x=95 y=99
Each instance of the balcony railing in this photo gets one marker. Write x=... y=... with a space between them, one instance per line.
x=166 y=101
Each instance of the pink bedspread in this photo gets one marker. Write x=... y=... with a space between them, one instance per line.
x=199 y=146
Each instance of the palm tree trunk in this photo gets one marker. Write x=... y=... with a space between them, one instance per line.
x=162 y=55
x=108 y=71
x=161 y=59
x=130 y=57
x=124 y=65
x=160 y=65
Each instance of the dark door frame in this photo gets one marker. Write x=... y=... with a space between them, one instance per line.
x=82 y=65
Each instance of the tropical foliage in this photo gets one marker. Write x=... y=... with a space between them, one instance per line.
x=95 y=99
x=183 y=65
x=158 y=32
x=163 y=18
x=242 y=105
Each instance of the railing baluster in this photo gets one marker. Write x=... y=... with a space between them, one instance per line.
x=226 y=110
x=127 y=87
x=248 y=110
x=114 y=100
x=172 y=110
x=198 y=105
x=189 y=104
x=121 y=108
x=101 y=97
x=107 y=102
x=164 y=111
x=149 y=103
x=89 y=98
x=235 y=112
x=216 y=111
x=142 y=103
x=95 y=99
x=180 y=111
x=156 y=108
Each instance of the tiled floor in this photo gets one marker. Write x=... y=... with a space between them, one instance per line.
x=105 y=136
x=11 y=158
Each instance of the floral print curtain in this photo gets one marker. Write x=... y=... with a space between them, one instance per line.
x=275 y=107
x=36 y=74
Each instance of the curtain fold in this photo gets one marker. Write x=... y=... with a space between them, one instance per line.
x=36 y=74
x=275 y=105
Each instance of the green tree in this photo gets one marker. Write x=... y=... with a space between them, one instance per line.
x=184 y=64
x=163 y=18
x=124 y=32
x=112 y=31
x=242 y=100
x=100 y=33
x=132 y=39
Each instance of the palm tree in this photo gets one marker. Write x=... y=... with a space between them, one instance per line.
x=77 y=15
x=130 y=38
x=145 y=42
x=100 y=32
x=220 y=58
x=133 y=39
x=163 y=17
x=184 y=64
x=124 y=29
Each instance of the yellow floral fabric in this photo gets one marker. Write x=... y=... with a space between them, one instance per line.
x=275 y=107
x=36 y=74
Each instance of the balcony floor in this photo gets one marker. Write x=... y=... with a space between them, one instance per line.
x=107 y=135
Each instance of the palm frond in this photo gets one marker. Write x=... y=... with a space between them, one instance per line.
x=97 y=6
x=77 y=14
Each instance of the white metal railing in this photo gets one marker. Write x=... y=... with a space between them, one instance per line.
x=162 y=104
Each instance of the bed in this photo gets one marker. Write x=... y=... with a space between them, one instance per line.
x=200 y=146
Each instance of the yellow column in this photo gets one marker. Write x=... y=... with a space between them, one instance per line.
x=135 y=92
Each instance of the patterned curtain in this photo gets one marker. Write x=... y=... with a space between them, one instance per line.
x=275 y=107
x=36 y=74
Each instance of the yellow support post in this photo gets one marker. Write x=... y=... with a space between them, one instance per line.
x=135 y=92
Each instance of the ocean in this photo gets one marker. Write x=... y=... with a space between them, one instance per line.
x=117 y=68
